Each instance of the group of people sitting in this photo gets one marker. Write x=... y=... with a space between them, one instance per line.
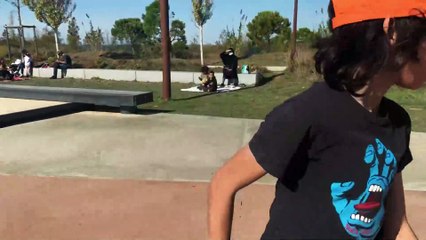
x=230 y=73
x=18 y=69
x=208 y=80
x=23 y=68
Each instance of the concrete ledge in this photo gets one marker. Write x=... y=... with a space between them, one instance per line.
x=140 y=76
x=111 y=98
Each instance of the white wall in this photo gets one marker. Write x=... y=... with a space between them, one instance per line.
x=134 y=75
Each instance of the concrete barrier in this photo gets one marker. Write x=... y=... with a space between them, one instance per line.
x=269 y=68
x=276 y=68
x=140 y=76
x=149 y=76
x=110 y=74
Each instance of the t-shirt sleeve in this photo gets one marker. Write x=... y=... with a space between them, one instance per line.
x=280 y=135
x=407 y=157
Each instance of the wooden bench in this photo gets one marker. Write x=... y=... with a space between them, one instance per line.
x=127 y=101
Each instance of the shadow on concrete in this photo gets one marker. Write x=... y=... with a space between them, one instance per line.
x=152 y=111
x=11 y=119
x=138 y=111
x=39 y=114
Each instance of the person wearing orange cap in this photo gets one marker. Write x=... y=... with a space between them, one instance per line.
x=338 y=149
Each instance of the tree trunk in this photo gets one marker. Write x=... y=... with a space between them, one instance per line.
x=8 y=44
x=21 y=29
x=56 y=40
x=201 y=45
x=269 y=44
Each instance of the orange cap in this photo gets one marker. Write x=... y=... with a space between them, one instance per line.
x=352 y=11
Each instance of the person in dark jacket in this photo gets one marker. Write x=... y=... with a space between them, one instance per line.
x=230 y=67
x=64 y=62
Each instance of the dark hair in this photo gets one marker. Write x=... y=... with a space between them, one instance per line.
x=354 y=53
x=205 y=69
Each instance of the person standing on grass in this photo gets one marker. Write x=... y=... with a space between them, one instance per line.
x=230 y=67
x=28 y=64
x=338 y=148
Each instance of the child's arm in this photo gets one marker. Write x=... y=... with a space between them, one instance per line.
x=396 y=225
x=241 y=170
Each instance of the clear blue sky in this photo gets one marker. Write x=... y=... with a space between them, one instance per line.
x=226 y=13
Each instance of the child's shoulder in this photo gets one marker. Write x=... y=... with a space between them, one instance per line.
x=318 y=92
x=397 y=114
x=307 y=101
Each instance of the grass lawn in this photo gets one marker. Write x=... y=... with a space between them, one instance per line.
x=253 y=102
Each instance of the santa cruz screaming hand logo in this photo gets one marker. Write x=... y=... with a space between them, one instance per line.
x=362 y=215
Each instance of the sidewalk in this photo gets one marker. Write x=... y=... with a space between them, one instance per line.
x=87 y=176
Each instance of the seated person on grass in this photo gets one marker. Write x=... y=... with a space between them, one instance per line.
x=64 y=62
x=204 y=73
x=4 y=71
x=17 y=67
x=208 y=83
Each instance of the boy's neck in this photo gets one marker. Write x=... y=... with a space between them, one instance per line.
x=374 y=91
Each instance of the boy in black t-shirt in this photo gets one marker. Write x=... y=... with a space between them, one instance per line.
x=338 y=149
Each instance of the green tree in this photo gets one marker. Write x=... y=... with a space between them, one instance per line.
x=305 y=35
x=73 y=36
x=151 y=21
x=266 y=25
x=52 y=12
x=202 y=11
x=178 y=39
x=94 y=37
x=177 y=31
x=130 y=30
x=234 y=39
x=180 y=50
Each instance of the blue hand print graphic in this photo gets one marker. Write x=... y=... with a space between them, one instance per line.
x=362 y=217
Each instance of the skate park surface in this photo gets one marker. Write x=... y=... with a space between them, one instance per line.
x=112 y=176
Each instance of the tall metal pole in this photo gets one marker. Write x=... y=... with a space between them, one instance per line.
x=294 y=35
x=165 y=42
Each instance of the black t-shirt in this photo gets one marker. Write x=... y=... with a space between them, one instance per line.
x=334 y=161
